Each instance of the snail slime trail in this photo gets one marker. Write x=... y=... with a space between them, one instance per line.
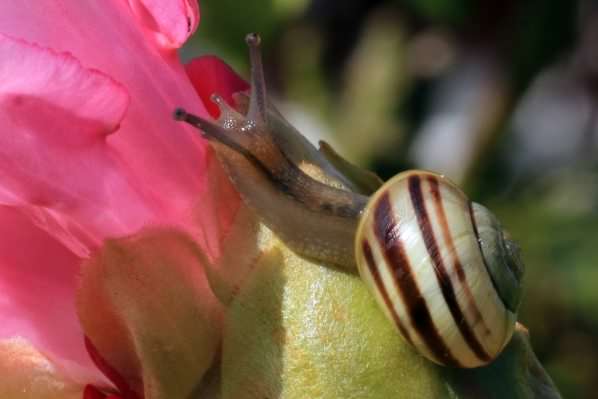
x=440 y=267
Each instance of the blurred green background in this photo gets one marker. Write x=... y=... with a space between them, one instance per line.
x=499 y=95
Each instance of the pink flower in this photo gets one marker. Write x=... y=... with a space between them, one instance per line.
x=89 y=152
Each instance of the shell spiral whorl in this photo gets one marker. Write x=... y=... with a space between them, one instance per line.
x=419 y=251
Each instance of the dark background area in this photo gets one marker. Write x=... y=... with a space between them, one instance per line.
x=501 y=96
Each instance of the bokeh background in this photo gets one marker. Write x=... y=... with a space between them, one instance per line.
x=499 y=95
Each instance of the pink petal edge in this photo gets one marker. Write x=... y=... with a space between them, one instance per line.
x=172 y=21
x=55 y=163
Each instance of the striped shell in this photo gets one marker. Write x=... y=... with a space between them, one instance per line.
x=419 y=251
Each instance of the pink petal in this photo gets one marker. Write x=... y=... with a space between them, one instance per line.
x=92 y=392
x=172 y=21
x=54 y=161
x=164 y=159
x=209 y=75
x=37 y=294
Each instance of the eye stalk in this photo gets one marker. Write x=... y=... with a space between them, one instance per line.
x=209 y=130
x=257 y=102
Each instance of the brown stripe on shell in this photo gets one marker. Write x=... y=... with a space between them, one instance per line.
x=458 y=268
x=444 y=280
x=371 y=263
x=400 y=268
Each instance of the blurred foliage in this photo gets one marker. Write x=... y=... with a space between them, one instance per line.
x=498 y=95
x=441 y=11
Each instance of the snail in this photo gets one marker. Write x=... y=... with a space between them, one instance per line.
x=440 y=266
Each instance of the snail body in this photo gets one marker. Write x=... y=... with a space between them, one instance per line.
x=439 y=266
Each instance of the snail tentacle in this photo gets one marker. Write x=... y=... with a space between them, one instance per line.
x=210 y=130
x=257 y=102
x=229 y=117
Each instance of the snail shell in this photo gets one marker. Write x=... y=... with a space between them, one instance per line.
x=439 y=265
x=451 y=293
